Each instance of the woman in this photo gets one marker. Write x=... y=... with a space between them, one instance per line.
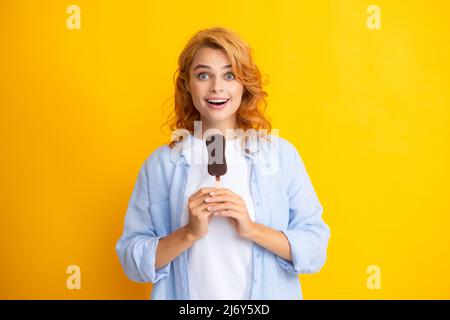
x=249 y=238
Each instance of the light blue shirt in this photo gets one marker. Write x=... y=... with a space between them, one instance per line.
x=283 y=198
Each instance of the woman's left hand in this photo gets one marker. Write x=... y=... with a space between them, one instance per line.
x=229 y=204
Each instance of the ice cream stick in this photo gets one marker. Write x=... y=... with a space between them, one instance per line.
x=217 y=183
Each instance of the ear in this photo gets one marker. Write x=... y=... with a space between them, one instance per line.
x=186 y=85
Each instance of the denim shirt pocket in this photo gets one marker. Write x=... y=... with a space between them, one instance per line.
x=279 y=211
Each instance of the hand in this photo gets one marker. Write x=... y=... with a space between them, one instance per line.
x=225 y=202
x=199 y=217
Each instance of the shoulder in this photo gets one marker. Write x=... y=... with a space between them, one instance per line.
x=159 y=163
x=279 y=146
x=159 y=156
x=276 y=157
x=156 y=171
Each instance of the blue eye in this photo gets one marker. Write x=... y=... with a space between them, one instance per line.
x=200 y=76
x=232 y=76
x=205 y=76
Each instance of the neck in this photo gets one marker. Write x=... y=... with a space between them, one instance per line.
x=226 y=128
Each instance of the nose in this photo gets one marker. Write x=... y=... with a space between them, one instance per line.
x=216 y=86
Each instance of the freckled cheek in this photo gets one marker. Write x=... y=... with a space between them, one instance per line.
x=198 y=92
x=235 y=88
x=236 y=93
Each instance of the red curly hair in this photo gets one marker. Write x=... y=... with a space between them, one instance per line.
x=250 y=114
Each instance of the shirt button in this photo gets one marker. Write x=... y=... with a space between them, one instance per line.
x=258 y=255
x=255 y=281
x=257 y=203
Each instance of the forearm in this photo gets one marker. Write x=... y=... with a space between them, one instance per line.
x=271 y=239
x=172 y=246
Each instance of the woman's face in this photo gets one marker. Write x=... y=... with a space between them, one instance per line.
x=215 y=92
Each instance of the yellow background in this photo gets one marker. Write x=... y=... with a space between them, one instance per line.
x=368 y=111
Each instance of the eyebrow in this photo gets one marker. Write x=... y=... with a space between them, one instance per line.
x=208 y=67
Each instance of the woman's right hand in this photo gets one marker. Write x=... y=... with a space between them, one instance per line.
x=199 y=216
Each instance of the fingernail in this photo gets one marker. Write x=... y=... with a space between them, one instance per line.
x=207 y=200
x=211 y=193
x=209 y=208
x=216 y=213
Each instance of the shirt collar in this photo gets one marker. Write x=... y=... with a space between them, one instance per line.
x=182 y=150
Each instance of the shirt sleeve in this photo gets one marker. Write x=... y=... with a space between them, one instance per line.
x=136 y=247
x=307 y=233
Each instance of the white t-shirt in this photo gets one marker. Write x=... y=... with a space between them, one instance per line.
x=220 y=264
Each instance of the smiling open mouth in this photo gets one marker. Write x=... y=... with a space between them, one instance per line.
x=217 y=102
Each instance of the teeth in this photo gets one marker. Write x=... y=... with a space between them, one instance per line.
x=217 y=101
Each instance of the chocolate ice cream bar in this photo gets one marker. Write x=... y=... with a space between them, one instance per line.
x=217 y=163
